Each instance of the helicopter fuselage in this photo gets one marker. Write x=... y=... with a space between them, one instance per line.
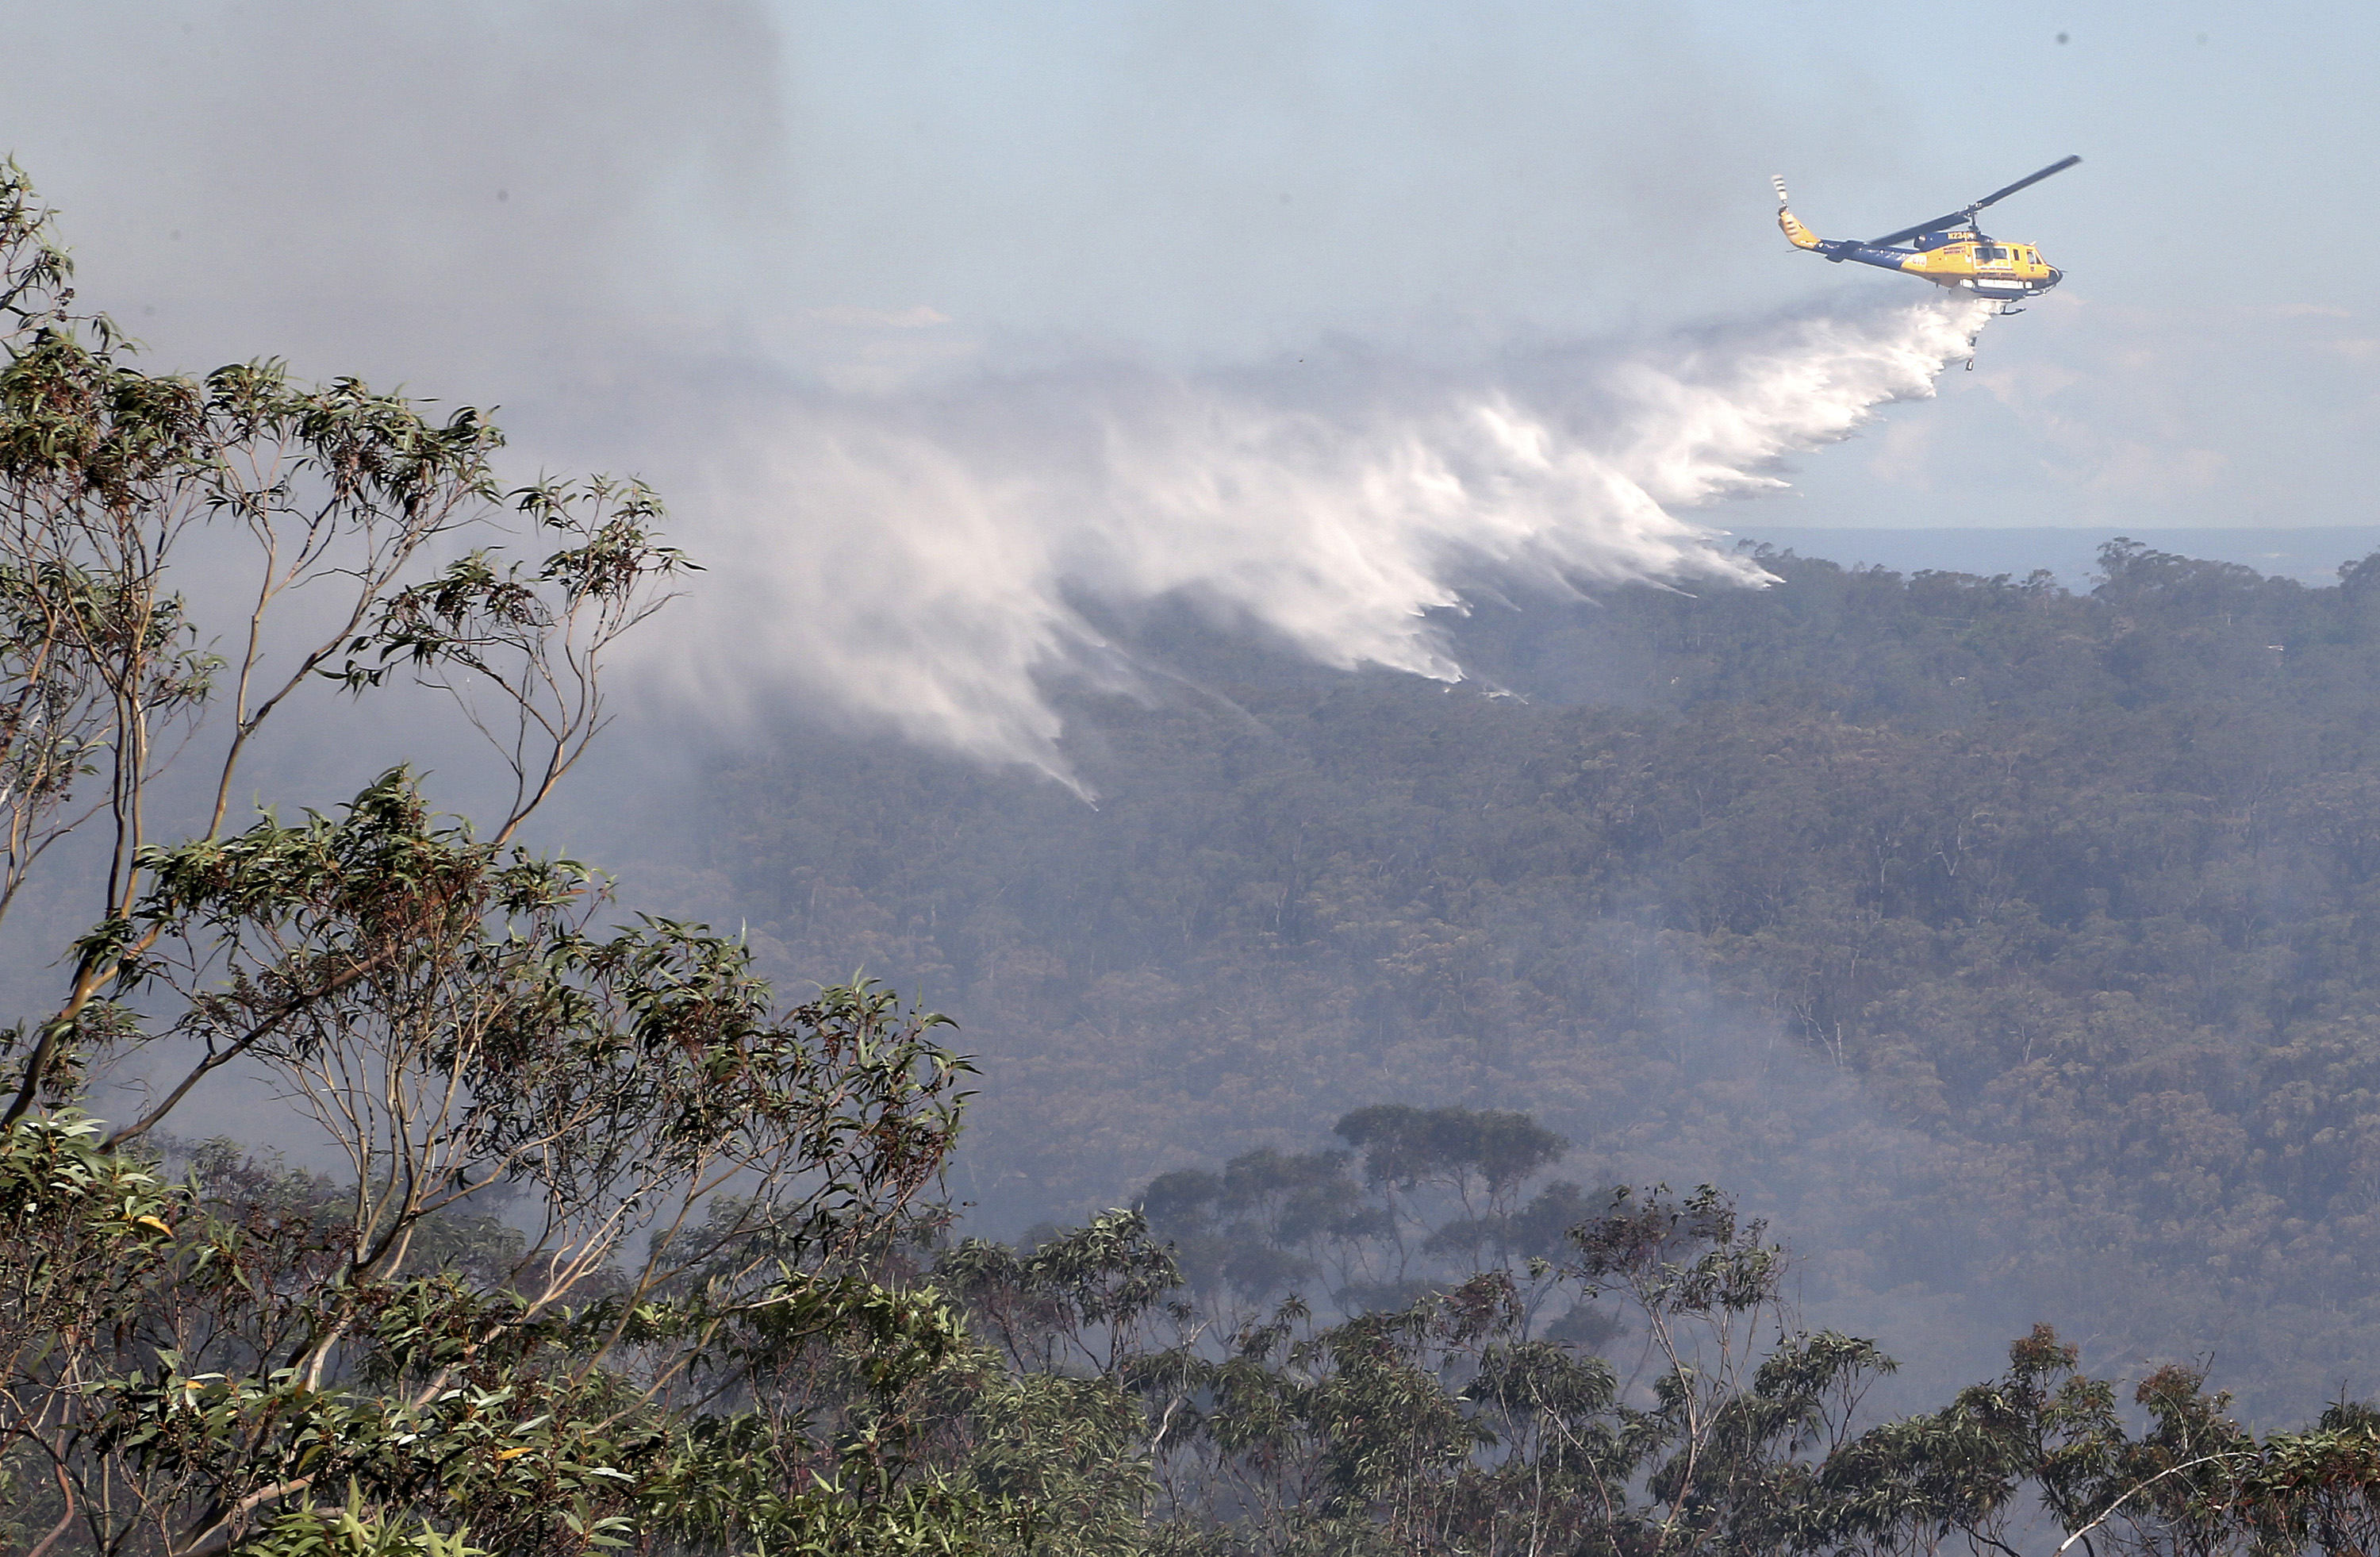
x=1963 y=262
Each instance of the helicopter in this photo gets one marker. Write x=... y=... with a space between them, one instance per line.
x=1950 y=251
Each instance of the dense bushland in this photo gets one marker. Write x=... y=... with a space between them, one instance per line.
x=2015 y=947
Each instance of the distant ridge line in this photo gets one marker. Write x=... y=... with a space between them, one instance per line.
x=2309 y=553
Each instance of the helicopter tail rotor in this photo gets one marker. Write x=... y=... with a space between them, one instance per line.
x=1797 y=235
x=1779 y=179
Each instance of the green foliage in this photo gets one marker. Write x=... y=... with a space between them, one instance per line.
x=203 y=1357
x=1448 y=1425
x=622 y=1251
x=111 y=475
x=1062 y=1463
x=1047 y=1305
x=350 y=1531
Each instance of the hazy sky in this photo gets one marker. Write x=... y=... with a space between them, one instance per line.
x=496 y=201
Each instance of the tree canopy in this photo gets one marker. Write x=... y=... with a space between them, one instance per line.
x=2011 y=943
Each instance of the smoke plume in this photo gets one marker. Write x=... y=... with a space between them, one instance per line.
x=926 y=557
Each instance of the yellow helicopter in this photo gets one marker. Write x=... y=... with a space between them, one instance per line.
x=1950 y=250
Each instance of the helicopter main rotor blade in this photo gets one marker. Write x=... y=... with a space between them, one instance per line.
x=1958 y=217
x=2024 y=183
x=1952 y=220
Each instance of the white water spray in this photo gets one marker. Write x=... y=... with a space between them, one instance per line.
x=915 y=559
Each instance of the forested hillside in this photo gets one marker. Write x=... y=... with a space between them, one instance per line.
x=2010 y=947
x=2003 y=947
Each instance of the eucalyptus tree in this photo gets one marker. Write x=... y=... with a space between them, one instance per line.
x=619 y=1244
x=116 y=485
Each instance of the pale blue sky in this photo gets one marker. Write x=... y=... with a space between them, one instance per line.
x=875 y=194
